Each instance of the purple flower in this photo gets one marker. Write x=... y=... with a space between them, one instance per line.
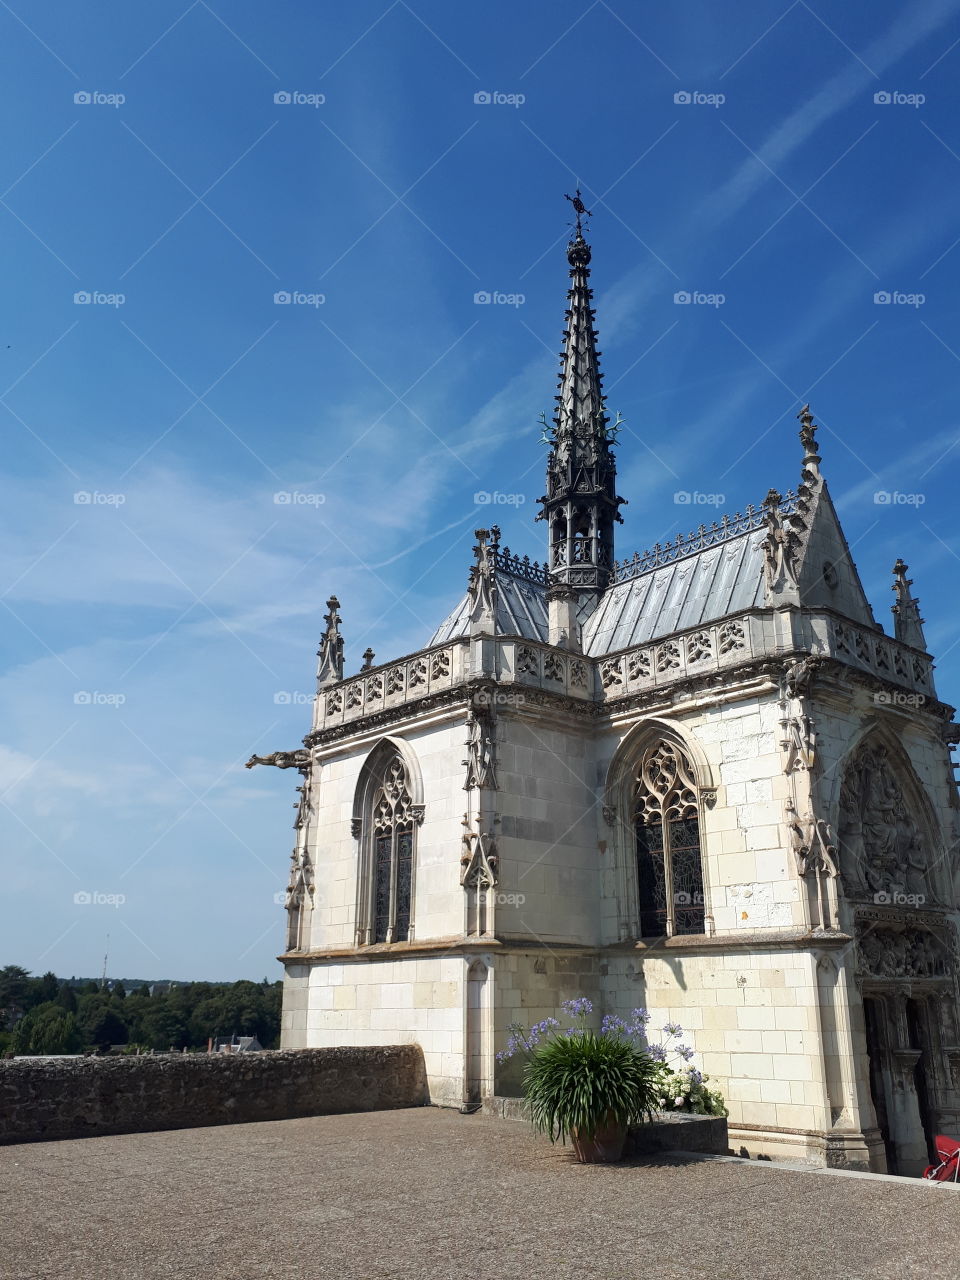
x=612 y=1024
x=673 y=1029
x=685 y=1052
x=640 y=1015
x=657 y=1052
x=577 y=1008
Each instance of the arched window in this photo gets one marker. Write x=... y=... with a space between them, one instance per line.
x=385 y=821
x=667 y=825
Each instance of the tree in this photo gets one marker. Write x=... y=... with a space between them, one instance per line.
x=47 y=1028
x=106 y=1028
x=118 y=990
x=67 y=997
x=14 y=988
x=163 y=1028
x=43 y=989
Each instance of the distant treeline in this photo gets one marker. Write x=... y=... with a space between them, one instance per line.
x=48 y=1014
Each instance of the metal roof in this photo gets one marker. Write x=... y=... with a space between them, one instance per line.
x=704 y=587
x=521 y=611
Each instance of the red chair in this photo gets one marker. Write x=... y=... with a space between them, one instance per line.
x=948 y=1153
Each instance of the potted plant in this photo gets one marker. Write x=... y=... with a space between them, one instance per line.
x=592 y=1086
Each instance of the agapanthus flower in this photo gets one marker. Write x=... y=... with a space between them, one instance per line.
x=685 y=1052
x=612 y=1024
x=640 y=1015
x=673 y=1029
x=657 y=1052
x=577 y=1008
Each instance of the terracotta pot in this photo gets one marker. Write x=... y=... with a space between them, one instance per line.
x=604 y=1145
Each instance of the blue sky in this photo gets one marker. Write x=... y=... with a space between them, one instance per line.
x=183 y=588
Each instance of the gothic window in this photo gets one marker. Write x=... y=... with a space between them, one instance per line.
x=386 y=813
x=667 y=825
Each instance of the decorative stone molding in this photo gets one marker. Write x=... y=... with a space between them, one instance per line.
x=481 y=748
x=912 y=953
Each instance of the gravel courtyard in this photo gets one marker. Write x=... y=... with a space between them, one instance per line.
x=439 y=1196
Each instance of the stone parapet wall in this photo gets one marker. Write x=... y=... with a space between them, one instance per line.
x=54 y=1098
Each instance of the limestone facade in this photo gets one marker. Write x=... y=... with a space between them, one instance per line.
x=704 y=781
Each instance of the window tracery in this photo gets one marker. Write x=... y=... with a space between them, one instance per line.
x=667 y=825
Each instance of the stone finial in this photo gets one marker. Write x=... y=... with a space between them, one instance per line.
x=482 y=585
x=330 y=670
x=907 y=623
x=368 y=657
x=808 y=438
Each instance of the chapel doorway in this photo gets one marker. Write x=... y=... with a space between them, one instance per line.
x=877 y=1055
x=917 y=1031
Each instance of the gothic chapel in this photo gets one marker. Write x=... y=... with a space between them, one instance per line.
x=701 y=779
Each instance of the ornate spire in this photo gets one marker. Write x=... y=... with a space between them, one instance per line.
x=581 y=502
x=330 y=670
x=907 y=623
x=808 y=438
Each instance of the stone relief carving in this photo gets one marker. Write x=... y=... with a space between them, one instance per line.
x=914 y=953
x=578 y=674
x=699 y=646
x=553 y=668
x=797 y=736
x=781 y=546
x=638 y=666
x=479 y=860
x=882 y=847
x=668 y=656
x=731 y=637
x=814 y=844
x=480 y=761
x=611 y=673
x=528 y=662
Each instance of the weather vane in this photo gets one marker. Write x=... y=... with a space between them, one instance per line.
x=579 y=208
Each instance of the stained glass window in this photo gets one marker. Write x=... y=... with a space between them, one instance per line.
x=392 y=855
x=669 y=866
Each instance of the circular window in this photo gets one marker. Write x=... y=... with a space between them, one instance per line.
x=830 y=575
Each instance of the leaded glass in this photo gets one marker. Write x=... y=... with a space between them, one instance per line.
x=669 y=867
x=381 y=895
x=392 y=855
x=404 y=877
